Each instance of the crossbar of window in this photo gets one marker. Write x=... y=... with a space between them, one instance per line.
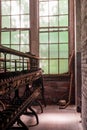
x=14 y=29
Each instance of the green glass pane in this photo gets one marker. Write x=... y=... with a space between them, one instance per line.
x=1 y=66
x=53 y=7
x=44 y=66
x=43 y=37
x=15 y=21
x=2 y=55
x=43 y=51
x=5 y=7
x=15 y=37
x=53 y=37
x=25 y=22
x=43 y=8
x=25 y=63
x=63 y=20
x=24 y=48
x=63 y=50
x=53 y=66
x=25 y=37
x=14 y=57
x=18 y=65
x=5 y=38
x=7 y=45
x=54 y=51
x=53 y=21
x=13 y=65
x=15 y=47
x=63 y=66
x=8 y=56
x=25 y=3
x=63 y=37
x=63 y=6
x=43 y=21
x=5 y=21
x=8 y=66
x=15 y=7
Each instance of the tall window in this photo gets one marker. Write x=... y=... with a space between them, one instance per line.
x=54 y=36
x=15 y=25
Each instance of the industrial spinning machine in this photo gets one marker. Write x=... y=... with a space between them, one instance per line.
x=19 y=88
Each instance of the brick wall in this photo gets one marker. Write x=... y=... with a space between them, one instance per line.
x=57 y=88
x=84 y=61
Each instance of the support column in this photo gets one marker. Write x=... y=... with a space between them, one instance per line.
x=34 y=45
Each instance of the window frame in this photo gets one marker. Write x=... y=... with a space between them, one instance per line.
x=34 y=25
x=21 y=31
x=69 y=30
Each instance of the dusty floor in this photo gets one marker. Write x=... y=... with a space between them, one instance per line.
x=54 y=118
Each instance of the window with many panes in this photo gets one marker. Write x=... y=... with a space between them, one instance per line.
x=54 y=36
x=15 y=25
x=54 y=29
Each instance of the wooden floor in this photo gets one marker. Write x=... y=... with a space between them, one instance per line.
x=54 y=118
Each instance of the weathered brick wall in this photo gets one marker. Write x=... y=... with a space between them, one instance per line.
x=84 y=61
x=57 y=88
